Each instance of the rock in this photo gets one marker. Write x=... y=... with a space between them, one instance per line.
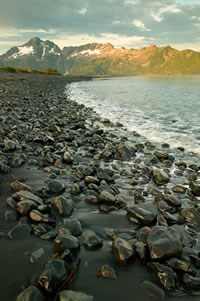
x=122 y=250
x=17 y=186
x=36 y=255
x=171 y=200
x=53 y=274
x=11 y=216
x=66 y=241
x=164 y=242
x=102 y=174
x=180 y=265
x=166 y=275
x=73 y=225
x=192 y=216
x=106 y=197
x=107 y=271
x=91 y=241
x=24 y=207
x=55 y=186
x=70 y=295
x=153 y=291
x=37 y=216
x=191 y=282
x=161 y=155
x=179 y=189
x=20 y=231
x=143 y=215
x=124 y=152
x=91 y=179
x=24 y=195
x=67 y=157
x=31 y=293
x=160 y=177
x=194 y=188
x=63 y=206
x=10 y=145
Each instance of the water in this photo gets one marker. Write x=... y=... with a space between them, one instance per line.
x=163 y=108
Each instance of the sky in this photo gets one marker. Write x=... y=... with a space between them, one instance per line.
x=124 y=23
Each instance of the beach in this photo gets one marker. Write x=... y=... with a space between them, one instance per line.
x=87 y=206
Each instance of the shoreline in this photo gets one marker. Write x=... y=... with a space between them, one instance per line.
x=60 y=148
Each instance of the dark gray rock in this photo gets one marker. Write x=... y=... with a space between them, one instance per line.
x=73 y=225
x=20 y=231
x=142 y=214
x=160 y=177
x=53 y=274
x=107 y=271
x=106 y=197
x=122 y=250
x=55 y=186
x=195 y=188
x=63 y=206
x=165 y=274
x=91 y=241
x=164 y=242
x=24 y=207
x=11 y=216
x=70 y=295
x=153 y=291
x=66 y=241
x=31 y=293
x=24 y=195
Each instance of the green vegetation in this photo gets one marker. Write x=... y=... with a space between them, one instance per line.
x=47 y=71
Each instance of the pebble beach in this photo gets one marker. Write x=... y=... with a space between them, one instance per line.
x=88 y=209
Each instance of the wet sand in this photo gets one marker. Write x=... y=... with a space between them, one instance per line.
x=16 y=271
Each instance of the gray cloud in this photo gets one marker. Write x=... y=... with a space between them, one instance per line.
x=164 y=22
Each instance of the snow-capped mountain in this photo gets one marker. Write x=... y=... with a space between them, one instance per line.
x=35 y=54
x=102 y=59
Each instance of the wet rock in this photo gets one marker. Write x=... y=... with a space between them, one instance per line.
x=106 y=197
x=153 y=291
x=66 y=241
x=37 y=216
x=107 y=271
x=53 y=274
x=161 y=155
x=55 y=186
x=191 y=282
x=160 y=176
x=63 y=206
x=70 y=295
x=20 y=231
x=39 y=230
x=75 y=190
x=91 y=199
x=91 y=179
x=17 y=186
x=180 y=265
x=24 y=207
x=9 y=145
x=73 y=225
x=171 y=200
x=166 y=275
x=179 y=189
x=31 y=293
x=194 y=188
x=164 y=242
x=102 y=174
x=11 y=216
x=36 y=255
x=143 y=234
x=143 y=215
x=192 y=216
x=67 y=157
x=91 y=241
x=124 y=152
x=24 y=195
x=122 y=250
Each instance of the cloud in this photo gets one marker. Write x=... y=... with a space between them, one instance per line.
x=160 y=22
x=139 y=24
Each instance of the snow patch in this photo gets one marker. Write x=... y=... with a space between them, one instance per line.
x=54 y=51
x=87 y=52
x=23 y=50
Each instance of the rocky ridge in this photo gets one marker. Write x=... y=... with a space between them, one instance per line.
x=102 y=59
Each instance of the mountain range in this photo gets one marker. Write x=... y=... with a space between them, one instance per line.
x=102 y=59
